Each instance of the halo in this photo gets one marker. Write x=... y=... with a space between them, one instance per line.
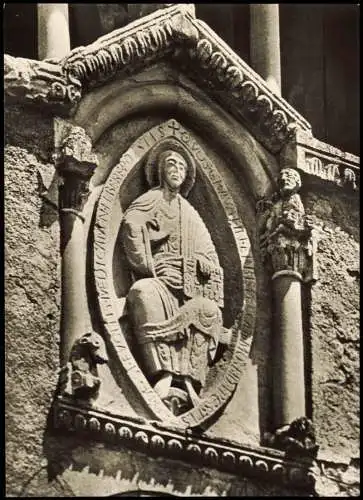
x=152 y=167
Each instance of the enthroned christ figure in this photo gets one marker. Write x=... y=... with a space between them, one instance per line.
x=177 y=292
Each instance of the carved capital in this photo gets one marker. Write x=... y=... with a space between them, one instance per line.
x=288 y=239
x=296 y=439
x=73 y=193
x=76 y=156
x=292 y=250
x=75 y=163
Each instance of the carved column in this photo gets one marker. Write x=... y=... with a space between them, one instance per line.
x=288 y=356
x=53 y=30
x=265 y=43
x=75 y=166
x=288 y=245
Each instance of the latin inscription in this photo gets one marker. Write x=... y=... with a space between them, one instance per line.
x=108 y=199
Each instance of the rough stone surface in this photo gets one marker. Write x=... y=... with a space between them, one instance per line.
x=40 y=465
x=338 y=480
x=31 y=130
x=94 y=469
x=250 y=405
x=334 y=323
x=32 y=284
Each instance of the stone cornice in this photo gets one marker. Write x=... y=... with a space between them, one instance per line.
x=171 y=33
x=322 y=160
x=158 y=440
x=40 y=82
x=132 y=47
x=224 y=75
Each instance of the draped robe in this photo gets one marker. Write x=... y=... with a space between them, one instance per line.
x=176 y=316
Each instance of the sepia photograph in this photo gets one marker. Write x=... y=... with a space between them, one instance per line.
x=181 y=241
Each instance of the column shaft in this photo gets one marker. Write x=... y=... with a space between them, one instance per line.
x=74 y=302
x=53 y=30
x=289 y=386
x=265 y=43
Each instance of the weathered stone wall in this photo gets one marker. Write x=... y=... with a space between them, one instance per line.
x=334 y=330
x=32 y=285
x=32 y=334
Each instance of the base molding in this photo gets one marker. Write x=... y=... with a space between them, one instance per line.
x=156 y=439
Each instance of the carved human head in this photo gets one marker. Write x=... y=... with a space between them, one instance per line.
x=173 y=169
x=289 y=181
x=170 y=161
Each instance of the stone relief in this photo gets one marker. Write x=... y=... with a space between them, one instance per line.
x=175 y=297
x=321 y=160
x=199 y=451
x=44 y=82
x=288 y=242
x=287 y=235
x=187 y=43
x=79 y=377
x=175 y=304
x=174 y=301
x=178 y=282
x=297 y=438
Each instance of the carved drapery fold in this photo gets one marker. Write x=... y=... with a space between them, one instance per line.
x=265 y=43
x=289 y=247
x=105 y=237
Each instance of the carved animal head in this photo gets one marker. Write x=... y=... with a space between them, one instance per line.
x=94 y=344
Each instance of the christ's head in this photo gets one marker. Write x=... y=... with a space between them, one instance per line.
x=173 y=169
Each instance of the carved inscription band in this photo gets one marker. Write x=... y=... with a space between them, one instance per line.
x=106 y=231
